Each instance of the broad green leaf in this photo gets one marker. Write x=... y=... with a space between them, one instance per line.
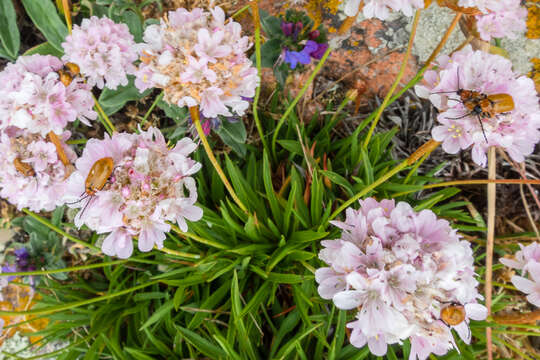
x=44 y=49
x=44 y=15
x=114 y=100
x=270 y=52
x=9 y=32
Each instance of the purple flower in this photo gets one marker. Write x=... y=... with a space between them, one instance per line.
x=321 y=49
x=9 y=269
x=287 y=28
x=302 y=57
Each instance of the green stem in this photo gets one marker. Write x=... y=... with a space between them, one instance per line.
x=397 y=81
x=77 y=141
x=257 y=22
x=103 y=117
x=145 y=118
x=58 y=230
x=236 y=14
x=68 y=269
x=199 y=239
x=194 y=112
x=72 y=305
x=370 y=187
x=298 y=97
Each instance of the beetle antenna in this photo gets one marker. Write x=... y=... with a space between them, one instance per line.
x=85 y=206
x=482 y=126
x=459 y=118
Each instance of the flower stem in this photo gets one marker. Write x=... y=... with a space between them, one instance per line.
x=240 y=11
x=104 y=118
x=444 y=39
x=423 y=150
x=58 y=230
x=297 y=98
x=145 y=117
x=257 y=21
x=67 y=14
x=398 y=78
x=68 y=269
x=194 y=112
x=72 y=305
x=470 y=182
x=217 y=245
x=491 y=195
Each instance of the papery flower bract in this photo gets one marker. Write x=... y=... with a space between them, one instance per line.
x=43 y=186
x=399 y=268
x=33 y=98
x=516 y=131
x=381 y=8
x=103 y=50
x=198 y=59
x=150 y=185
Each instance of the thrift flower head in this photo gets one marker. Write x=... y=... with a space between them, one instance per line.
x=33 y=98
x=150 y=184
x=32 y=175
x=507 y=19
x=199 y=58
x=104 y=51
x=517 y=131
x=528 y=261
x=381 y=8
x=400 y=269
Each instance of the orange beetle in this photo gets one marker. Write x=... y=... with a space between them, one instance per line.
x=68 y=72
x=24 y=168
x=481 y=105
x=453 y=315
x=98 y=175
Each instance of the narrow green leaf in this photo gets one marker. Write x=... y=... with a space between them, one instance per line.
x=203 y=345
x=159 y=314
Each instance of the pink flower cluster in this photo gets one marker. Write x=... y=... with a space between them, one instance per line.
x=33 y=98
x=502 y=18
x=32 y=174
x=381 y=8
x=528 y=261
x=103 y=50
x=399 y=268
x=516 y=131
x=198 y=58
x=150 y=185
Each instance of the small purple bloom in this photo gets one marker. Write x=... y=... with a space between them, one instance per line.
x=321 y=49
x=294 y=57
x=287 y=28
x=314 y=34
x=9 y=269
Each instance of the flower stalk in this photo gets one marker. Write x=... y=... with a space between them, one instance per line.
x=492 y=193
x=194 y=112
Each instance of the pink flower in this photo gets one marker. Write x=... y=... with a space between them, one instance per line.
x=32 y=174
x=530 y=287
x=398 y=268
x=516 y=131
x=198 y=58
x=505 y=19
x=105 y=51
x=381 y=8
x=150 y=186
x=42 y=154
x=33 y=98
x=523 y=256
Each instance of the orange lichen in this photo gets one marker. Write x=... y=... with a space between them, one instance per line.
x=453 y=4
x=316 y=8
x=533 y=19
x=20 y=298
